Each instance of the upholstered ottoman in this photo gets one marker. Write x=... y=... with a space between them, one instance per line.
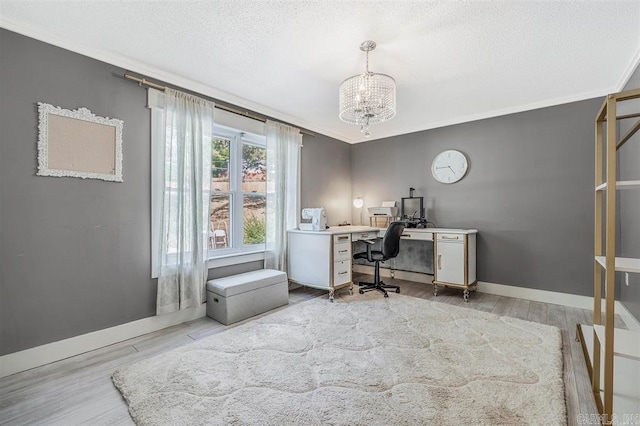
x=238 y=297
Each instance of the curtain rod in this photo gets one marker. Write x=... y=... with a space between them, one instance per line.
x=142 y=81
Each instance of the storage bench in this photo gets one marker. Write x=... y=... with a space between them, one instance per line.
x=238 y=297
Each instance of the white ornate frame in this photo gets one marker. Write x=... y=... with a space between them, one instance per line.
x=44 y=110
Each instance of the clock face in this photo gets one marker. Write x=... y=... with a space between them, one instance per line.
x=449 y=166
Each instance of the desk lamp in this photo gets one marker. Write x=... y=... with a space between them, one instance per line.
x=358 y=202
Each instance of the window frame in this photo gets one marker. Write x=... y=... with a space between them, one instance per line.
x=237 y=139
x=223 y=133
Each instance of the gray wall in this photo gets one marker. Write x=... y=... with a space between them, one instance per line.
x=629 y=160
x=529 y=191
x=326 y=177
x=74 y=253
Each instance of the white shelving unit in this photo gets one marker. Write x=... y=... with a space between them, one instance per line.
x=608 y=344
x=625 y=184
x=623 y=264
x=625 y=392
x=627 y=343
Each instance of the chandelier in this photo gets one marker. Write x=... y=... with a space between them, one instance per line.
x=367 y=98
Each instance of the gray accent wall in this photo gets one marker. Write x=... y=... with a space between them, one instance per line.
x=74 y=253
x=326 y=177
x=528 y=190
x=629 y=207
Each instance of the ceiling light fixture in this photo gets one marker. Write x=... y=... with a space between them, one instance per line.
x=367 y=98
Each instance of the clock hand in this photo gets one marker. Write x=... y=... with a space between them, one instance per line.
x=451 y=170
x=443 y=167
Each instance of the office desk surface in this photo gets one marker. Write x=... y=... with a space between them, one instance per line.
x=340 y=230
x=442 y=230
x=351 y=229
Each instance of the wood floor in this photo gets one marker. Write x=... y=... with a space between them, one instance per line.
x=78 y=390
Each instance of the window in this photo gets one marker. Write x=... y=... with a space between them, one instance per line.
x=238 y=192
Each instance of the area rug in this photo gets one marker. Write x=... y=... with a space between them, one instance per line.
x=363 y=360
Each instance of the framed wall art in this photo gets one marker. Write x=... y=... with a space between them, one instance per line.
x=78 y=144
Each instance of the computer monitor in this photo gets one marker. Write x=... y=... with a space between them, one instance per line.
x=412 y=208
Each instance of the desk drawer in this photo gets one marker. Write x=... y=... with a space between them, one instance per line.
x=357 y=236
x=341 y=251
x=341 y=272
x=420 y=236
x=450 y=237
x=341 y=238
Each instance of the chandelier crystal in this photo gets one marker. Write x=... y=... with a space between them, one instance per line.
x=367 y=98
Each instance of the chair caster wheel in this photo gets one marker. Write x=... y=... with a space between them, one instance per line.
x=397 y=290
x=361 y=292
x=386 y=295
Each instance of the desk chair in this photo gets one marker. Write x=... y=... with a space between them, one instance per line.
x=390 y=248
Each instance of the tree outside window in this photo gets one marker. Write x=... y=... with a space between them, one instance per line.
x=248 y=187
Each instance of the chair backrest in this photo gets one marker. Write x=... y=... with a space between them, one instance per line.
x=391 y=240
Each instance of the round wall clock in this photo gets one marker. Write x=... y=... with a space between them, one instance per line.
x=449 y=166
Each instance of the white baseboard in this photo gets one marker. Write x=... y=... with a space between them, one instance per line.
x=554 y=297
x=56 y=351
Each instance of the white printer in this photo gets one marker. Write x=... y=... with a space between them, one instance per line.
x=383 y=215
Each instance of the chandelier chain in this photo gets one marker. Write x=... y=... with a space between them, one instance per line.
x=367 y=66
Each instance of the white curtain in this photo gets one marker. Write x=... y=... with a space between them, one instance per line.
x=182 y=269
x=283 y=163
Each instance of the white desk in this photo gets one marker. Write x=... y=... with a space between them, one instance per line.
x=323 y=259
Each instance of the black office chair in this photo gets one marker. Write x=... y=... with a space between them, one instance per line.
x=390 y=248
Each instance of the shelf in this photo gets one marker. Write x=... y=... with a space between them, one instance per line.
x=625 y=390
x=623 y=184
x=626 y=343
x=623 y=264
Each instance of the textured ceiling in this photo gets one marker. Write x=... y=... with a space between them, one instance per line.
x=453 y=61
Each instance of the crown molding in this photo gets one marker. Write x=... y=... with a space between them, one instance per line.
x=631 y=68
x=154 y=73
x=221 y=95
x=498 y=113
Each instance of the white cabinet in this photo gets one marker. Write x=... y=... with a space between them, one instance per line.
x=320 y=260
x=455 y=261
x=341 y=259
x=450 y=260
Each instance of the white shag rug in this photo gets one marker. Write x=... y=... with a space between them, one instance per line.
x=363 y=360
